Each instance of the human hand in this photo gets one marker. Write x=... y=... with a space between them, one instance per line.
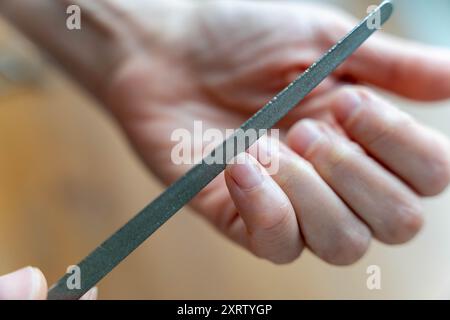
x=352 y=165
x=29 y=284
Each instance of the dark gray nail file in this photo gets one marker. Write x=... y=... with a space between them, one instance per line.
x=111 y=252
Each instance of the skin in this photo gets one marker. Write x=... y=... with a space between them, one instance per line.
x=352 y=166
x=29 y=284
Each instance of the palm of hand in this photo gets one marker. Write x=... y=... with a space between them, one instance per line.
x=232 y=59
x=227 y=67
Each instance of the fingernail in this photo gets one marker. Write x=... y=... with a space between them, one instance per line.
x=23 y=284
x=347 y=105
x=91 y=294
x=306 y=134
x=265 y=150
x=245 y=172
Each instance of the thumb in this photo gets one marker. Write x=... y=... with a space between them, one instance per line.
x=413 y=70
x=25 y=284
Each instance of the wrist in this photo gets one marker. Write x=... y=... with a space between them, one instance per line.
x=156 y=60
x=111 y=32
x=88 y=54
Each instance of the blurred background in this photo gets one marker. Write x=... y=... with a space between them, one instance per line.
x=68 y=179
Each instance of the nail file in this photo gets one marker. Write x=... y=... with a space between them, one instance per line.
x=116 y=248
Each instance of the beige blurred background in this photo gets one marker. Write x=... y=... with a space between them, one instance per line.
x=68 y=179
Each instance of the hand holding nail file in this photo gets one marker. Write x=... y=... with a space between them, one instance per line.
x=111 y=252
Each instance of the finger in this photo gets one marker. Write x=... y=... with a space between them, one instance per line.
x=268 y=215
x=329 y=227
x=420 y=156
x=25 y=284
x=412 y=70
x=380 y=199
x=91 y=294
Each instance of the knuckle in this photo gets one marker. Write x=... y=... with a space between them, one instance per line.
x=274 y=220
x=332 y=154
x=390 y=128
x=406 y=221
x=338 y=154
x=362 y=92
x=350 y=95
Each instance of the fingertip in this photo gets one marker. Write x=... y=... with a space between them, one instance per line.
x=348 y=247
x=410 y=69
x=245 y=171
x=270 y=221
x=24 y=284
x=92 y=294
x=40 y=288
